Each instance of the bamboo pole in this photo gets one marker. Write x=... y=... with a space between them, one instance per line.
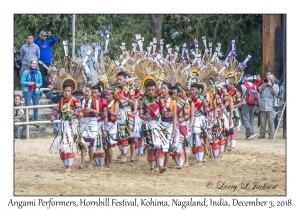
x=36 y=106
x=27 y=126
x=35 y=122
x=279 y=121
x=73 y=38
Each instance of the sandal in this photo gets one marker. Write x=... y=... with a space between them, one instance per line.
x=162 y=170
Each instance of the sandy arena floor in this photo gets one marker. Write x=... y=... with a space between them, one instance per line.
x=256 y=167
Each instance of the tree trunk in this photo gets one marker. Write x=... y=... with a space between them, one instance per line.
x=156 y=25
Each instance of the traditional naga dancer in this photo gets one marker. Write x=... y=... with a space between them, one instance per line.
x=70 y=112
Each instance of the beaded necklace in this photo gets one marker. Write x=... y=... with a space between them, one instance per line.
x=151 y=101
x=68 y=107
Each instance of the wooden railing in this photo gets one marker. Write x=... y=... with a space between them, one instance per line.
x=27 y=123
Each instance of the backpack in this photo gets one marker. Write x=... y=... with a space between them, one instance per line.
x=251 y=96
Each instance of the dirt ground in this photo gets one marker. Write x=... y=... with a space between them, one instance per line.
x=256 y=167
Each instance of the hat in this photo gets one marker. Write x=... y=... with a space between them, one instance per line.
x=53 y=68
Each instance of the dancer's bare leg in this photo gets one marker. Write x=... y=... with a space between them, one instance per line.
x=91 y=153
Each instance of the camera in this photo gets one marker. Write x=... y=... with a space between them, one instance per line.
x=267 y=80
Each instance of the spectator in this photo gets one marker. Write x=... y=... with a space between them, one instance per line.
x=17 y=64
x=19 y=117
x=61 y=71
x=49 y=81
x=45 y=49
x=247 y=112
x=28 y=52
x=258 y=82
x=32 y=81
x=268 y=91
x=277 y=82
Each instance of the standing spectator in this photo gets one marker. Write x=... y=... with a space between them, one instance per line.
x=19 y=117
x=61 y=71
x=28 y=52
x=17 y=64
x=277 y=82
x=248 y=112
x=258 y=81
x=268 y=91
x=32 y=81
x=49 y=81
x=45 y=48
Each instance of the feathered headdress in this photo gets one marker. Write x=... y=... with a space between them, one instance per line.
x=146 y=67
x=148 y=79
x=176 y=74
x=74 y=74
x=101 y=84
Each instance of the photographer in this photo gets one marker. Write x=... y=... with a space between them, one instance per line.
x=31 y=82
x=268 y=91
x=45 y=49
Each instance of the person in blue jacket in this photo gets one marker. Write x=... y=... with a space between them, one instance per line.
x=32 y=82
x=45 y=49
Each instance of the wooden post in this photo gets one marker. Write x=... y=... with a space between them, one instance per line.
x=269 y=24
x=27 y=126
x=278 y=21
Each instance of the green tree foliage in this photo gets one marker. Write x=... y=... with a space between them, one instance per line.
x=246 y=30
x=176 y=29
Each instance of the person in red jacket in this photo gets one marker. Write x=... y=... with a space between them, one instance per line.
x=258 y=81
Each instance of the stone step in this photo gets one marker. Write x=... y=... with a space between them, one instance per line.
x=34 y=128
x=35 y=131
x=43 y=114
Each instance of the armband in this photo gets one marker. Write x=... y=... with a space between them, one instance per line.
x=141 y=116
x=105 y=113
x=140 y=111
x=131 y=97
x=55 y=112
x=238 y=99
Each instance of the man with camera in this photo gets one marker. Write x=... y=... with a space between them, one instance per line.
x=268 y=92
x=45 y=49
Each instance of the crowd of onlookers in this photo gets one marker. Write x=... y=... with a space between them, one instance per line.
x=32 y=66
x=268 y=91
